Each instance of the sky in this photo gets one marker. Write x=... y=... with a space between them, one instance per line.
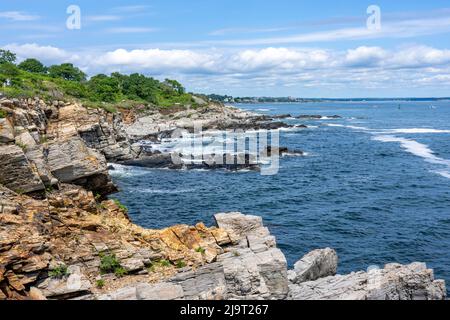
x=246 y=48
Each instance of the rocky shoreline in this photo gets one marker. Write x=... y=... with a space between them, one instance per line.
x=62 y=238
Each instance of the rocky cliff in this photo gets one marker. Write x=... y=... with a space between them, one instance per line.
x=61 y=238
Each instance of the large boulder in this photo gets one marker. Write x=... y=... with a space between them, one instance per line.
x=71 y=161
x=314 y=265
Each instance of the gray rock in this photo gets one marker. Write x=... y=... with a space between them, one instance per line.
x=76 y=284
x=205 y=283
x=16 y=172
x=314 y=265
x=71 y=160
x=160 y=291
x=394 y=282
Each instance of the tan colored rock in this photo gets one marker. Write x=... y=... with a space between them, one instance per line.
x=6 y=131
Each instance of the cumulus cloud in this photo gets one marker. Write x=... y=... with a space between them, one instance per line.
x=46 y=54
x=365 y=67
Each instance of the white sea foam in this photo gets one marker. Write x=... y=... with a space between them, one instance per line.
x=163 y=191
x=417 y=130
x=419 y=150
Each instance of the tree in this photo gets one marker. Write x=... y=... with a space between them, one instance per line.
x=7 y=56
x=175 y=85
x=33 y=65
x=104 y=88
x=9 y=69
x=67 y=71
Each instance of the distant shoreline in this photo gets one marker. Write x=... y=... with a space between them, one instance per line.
x=341 y=100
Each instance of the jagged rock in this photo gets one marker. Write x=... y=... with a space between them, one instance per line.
x=16 y=172
x=145 y=291
x=205 y=283
x=75 y=284
x=36 y=294
x=394 y=282
x=238 y=223
x=314 y=265
x=6 y=131
x=25 y=139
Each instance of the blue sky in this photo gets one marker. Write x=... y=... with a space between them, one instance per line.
x=278 y=48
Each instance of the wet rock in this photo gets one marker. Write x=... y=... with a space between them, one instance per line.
x=314 y=265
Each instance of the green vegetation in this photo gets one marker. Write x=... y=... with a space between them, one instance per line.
x=33 y=65
x=59 y=272
x=3 y=114
x=200 y=250
x=180 y=264
x=158 y=265
x=110 y=264
x=120 y=205
x=22 y=145
x=100 y=283
x=67 y=82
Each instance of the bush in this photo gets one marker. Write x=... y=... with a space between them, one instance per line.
x=100 y=283
x=109 y=263
x=200 y=250
x=59 y=272
x=180 y=264
x=33 y=66
x=120 y=205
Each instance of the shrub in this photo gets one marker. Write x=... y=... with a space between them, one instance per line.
x=100 y=283
x=120 y=205
x=3 y=114
x=180 y=264
x=109 y=263
x=59 y=272
x=200 y=250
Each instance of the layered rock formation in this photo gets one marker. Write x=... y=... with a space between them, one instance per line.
x=61 y=238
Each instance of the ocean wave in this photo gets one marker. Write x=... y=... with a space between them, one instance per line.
x=418 y=149
x=164 y=191
x=416 y=130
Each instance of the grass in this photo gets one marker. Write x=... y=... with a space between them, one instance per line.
x=59 y=272
x=100 y=283
x=200 y=250
x=180 y=264
x=120 y=205
x=159 y=264
x=110 y=264
x=22 y=145
x=3 y=114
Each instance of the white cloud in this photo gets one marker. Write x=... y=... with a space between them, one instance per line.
x=397 y=29
x=47 y=54
x=102 y=18
x=357 y=69
x=17 y=16
x=131 y=30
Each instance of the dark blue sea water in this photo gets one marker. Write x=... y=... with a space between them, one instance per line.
x=375 y=186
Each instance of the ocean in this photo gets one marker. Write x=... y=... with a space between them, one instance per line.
x=374 y=185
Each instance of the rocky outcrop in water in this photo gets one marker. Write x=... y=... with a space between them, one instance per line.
x=60 y=238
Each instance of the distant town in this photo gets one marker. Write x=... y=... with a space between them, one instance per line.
x=231 y=99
